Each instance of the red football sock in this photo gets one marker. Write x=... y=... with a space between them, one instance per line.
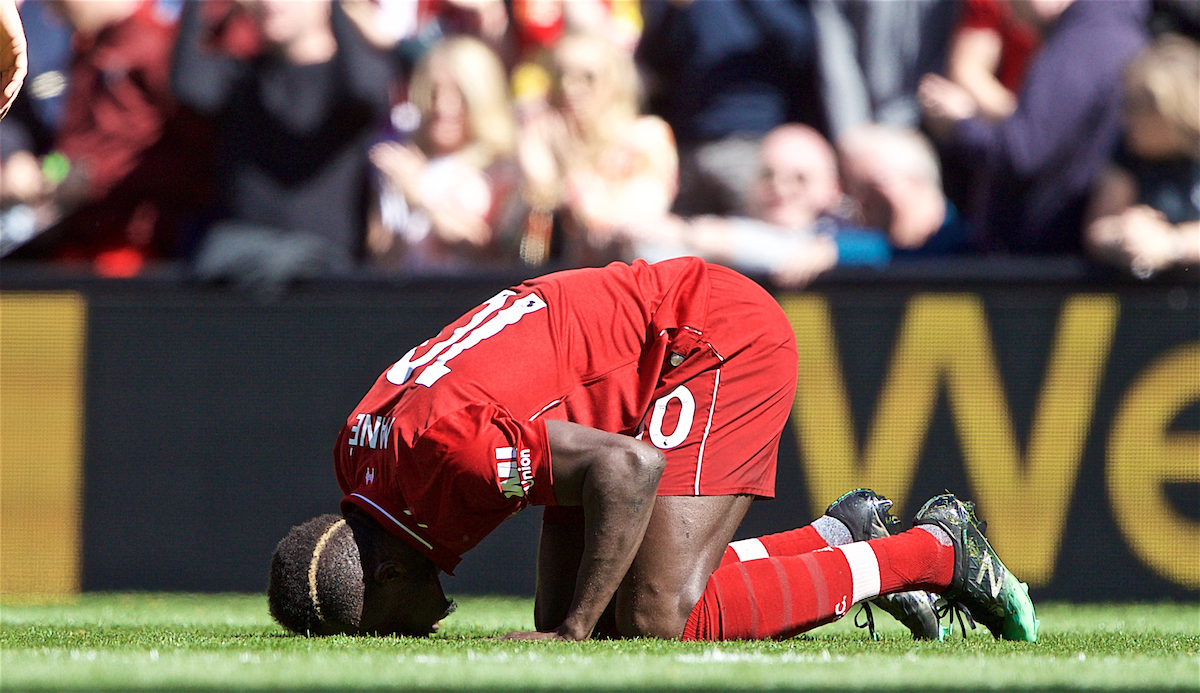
x=790 y=543
x=913 y=560
x=782 y=596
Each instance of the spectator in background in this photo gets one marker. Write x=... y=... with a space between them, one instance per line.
x=132 y=164
x=1175 y=17
x=989 y=55
x=892 y=176
x=14 y=58
x=872 y=56
x=540 y=24
x=723 y=73
x=521 y=32
x=409 y=28
x=1040 y=163
x=450 y=201
x=795 y=229
x=802 y=224
x=591 y=158
x=988 y=58
x=293 y=126
x=30 y=128
x=37 y=112
x=1146 y=210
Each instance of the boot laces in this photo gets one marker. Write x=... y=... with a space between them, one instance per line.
x=868 y=622
x=955 y=609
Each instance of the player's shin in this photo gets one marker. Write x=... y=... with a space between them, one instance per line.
x=784 y=596
x=790 y=543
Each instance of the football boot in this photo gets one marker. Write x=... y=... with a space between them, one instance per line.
x=981 y=584
x=867 y=515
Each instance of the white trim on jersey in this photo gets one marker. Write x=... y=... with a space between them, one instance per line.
x=398 y=523
x=545 y=409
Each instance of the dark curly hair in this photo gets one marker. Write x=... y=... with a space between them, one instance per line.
x=316 y=583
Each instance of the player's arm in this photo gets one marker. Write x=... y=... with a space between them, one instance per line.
x=560 y=549
x=615 y=479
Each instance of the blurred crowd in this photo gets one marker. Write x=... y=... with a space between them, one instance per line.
x=265 y=142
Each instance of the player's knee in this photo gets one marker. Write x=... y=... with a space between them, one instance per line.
x=649 y=622
x=631 y=468
x=646 y=462
x=653 y=615
x=634 y=465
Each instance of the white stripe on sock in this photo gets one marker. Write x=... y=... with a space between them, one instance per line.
x=749 y=550
x=864 y=569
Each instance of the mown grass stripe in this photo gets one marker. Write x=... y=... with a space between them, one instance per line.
x=228 y=642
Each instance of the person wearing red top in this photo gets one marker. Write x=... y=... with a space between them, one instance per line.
x=1018 y=39
x=990 y=53
x=137 y=164
x=643 y=405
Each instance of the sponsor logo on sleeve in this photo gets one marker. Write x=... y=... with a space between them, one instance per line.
x=514 y=472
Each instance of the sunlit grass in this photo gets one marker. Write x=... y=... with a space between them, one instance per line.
x=206 y=642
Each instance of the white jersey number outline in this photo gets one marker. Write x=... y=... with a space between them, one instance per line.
x=475 y=331
x=687 y=411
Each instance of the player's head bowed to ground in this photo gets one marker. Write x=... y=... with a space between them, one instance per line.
x=643 y=405
x=317 y=585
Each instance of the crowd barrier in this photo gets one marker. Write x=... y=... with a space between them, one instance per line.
x=159 y=435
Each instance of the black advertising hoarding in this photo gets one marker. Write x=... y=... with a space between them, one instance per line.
x=1071 y=418
x=1069 y=410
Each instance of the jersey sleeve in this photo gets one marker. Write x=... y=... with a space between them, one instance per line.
x=471 y=470
x=489 y=457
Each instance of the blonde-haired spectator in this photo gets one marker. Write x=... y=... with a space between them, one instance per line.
x=591 y=157
x=1145 y=214
x=470 y=67
x=450 y=192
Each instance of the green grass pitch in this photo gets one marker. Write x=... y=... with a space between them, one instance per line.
x=228 y=642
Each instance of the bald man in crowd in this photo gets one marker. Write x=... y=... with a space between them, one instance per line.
x=891 y=174
x=793 y=230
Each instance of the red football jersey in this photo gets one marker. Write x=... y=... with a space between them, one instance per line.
x=451 y=440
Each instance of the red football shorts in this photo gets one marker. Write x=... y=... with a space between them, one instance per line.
x=720 y=428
